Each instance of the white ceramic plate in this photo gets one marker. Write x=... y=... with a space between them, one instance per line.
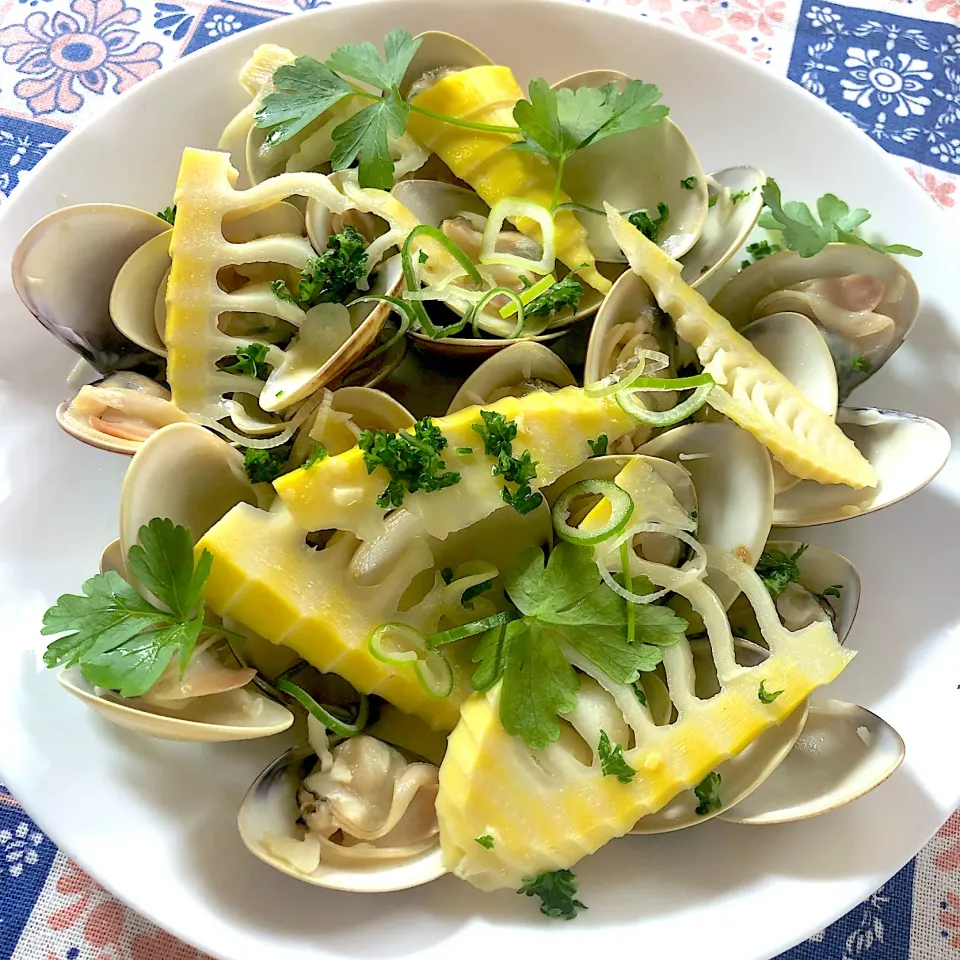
x=155 y=822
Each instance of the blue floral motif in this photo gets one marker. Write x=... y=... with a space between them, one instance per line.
x=897 y=79
x=311 y=4
x=172 y=20
x=22 y=145
x=879 y=929
x=25 y=859
x=219 y=21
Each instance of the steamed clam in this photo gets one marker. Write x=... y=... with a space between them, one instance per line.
x=358 y=817
x=63 y=270
x=864 y=302
x=843 y=752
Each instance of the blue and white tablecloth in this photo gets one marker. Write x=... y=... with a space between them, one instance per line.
x=892 y=67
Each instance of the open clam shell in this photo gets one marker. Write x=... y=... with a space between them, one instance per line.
x=439 y=53
x=436 y=204
x=186 y=474
x=337 y=424
x=734 y=482
x=907 y=451
x=270 y=810
x=119 y=413
x=829 y=587
x=63 y=270
x=514 y=372
x=865 y=302
x=729 y=221
x=740 y=775
x=636 y=170
x=629 y=319
x=844 y=752
x=240 y=714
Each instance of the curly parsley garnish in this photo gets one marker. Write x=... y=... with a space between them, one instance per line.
x=331 y=277
x=778 y=570
x=557 y=891
x=412 y=459
x=498 y=434
x=708 y=793
x=264 y=466
x=563 y=295
x=598 y=446
x=485 y=841
x=612 y=763
x=767 y=696
x=647 y=225
x=249 y=361
x=169 y=214
x=689 y=183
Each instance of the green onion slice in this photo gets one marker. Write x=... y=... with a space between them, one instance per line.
x=531 y=293
x=621 y=509
x=470 y=629
x=667 y=418
x=335 y=722
x=397 y=644
x=435 y=675
x=516 y=305
x=648 y=361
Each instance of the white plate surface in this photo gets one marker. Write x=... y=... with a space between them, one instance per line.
x=155 y=822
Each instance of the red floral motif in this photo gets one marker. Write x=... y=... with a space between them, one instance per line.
x=952 y=7
x=701 y=20
x=942 y=193
x=161 y=946
x=758 y=15
x=62 y=51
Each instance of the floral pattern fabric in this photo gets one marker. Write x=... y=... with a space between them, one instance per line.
x=892 y=67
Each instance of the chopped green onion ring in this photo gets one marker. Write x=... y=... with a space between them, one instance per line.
x=470 y=629
x=615 y=384
x=666 y=418
x=621 y=509
x=517 y=208
x=435 y=675
x=410 y=276
x=516 y=303
x=397 y=644
x=322 y=713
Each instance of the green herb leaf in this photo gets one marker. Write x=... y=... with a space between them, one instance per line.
x=689 y=184
x=598 y=446
x=412 y=460
x=250 y=360
x=563 y=295
x=708 y=793
x=264 y=466
x=767 y=696
x=120 y=640
x=169 y=214
x=649 y=227
x=364 y=136
x=362 y=61
x=712 y=200
x=831 y=591
x=760 y=250
x=304 y=89
x=486 y=841
x=641 y=696
x=163 y=562
x=331 y=277
x=657 y=625
x=471 y=593
x=529 y=710
x=557 y=891
x=488 y=653
x=861 y=364
x=498 y=435
x=317 y=454
x=801 y=231
x=735 y=198
x=612 y=763
x=778 y=570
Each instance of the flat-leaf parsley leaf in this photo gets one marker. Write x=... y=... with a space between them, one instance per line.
x=612 y=763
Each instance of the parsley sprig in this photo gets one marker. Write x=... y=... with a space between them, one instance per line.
x=249 y=361
x=708 y=793
x=563 y=295
x=554 y=123
x=264 y=466
x=801 y=231
x=330 y=277
x=169 y=214
x=498 y=434
x=612 y=763
x=563 y=600
x=412 y=459
x=649 y=226
x=121 y=640
x=778 y=570
x=557 y=891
